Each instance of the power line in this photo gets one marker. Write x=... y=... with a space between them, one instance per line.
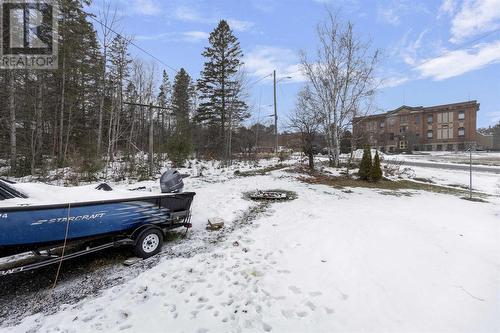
x=92 y=16
x=146 y=105
x=257 y=81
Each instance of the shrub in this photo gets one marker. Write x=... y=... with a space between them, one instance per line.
x=366 y=164
x=376 y=170
x=283 y=156
x=178 y=150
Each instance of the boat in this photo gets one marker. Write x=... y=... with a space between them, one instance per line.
x=35 y=217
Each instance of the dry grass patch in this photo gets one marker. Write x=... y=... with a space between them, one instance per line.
x=259 y=172
x=342 y=182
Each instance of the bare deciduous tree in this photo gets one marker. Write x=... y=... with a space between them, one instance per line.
x=107 y=19
x=307 y=120
x=341 y=79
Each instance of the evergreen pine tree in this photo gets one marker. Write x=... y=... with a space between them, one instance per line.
x=164 y=100
x=376 y=170
x=179 y=144
x=219 y=86
x=366 y=164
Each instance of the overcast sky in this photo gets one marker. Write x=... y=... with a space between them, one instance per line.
x=434 y=52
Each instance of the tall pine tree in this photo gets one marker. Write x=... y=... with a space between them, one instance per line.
x=179 y=144
x=220 y=87
x=119 y=72
x=164 y=100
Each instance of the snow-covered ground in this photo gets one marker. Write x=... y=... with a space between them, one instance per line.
x=478 y=158
x=481 y=181
x=331 y=260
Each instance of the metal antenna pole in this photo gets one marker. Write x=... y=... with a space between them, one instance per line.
x=275 y=113
x=470 y=171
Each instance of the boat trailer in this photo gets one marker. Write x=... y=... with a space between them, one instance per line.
x=141 y=238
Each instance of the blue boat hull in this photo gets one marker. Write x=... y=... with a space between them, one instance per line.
x=24 y=228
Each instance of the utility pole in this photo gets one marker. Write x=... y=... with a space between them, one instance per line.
x=151 y=146
x=150 y=107
x=275 y=114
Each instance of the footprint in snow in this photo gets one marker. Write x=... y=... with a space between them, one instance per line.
x=329 y=311
x=284 y=271
x=266 y=327
x=124 y=314
x=315 y=293
x=294 y=289
x=88 y=318
x=125 y=327
x=302 y=314
x=311 y=306
x=287 y=313
x=248 y=324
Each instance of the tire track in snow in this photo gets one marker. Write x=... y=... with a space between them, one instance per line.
x=29 y=293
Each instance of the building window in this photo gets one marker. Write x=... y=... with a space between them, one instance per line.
x=391 y=136
x=371 y=126
x=402 y=129
x=461 y=132
x=445 y=132
x=445 y=117
x=429 y=134
x=461 y=146
x=382 y=124
x=439 y=147
x=417 y=135
x=449 y=147
x=417 y=119
x=403 y=119
x=429 y=119
x=461 y=115
x=429 y=147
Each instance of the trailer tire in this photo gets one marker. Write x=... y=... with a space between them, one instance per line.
x=148 y=243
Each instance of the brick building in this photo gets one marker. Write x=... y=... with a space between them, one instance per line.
x=437 y=128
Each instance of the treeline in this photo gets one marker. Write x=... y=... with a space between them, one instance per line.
x=102 y=106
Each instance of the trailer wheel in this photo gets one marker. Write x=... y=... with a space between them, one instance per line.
x=148 y=243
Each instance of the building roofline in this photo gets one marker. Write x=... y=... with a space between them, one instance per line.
x=417 y=108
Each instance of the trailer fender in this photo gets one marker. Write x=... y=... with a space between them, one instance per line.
x=135 y=235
